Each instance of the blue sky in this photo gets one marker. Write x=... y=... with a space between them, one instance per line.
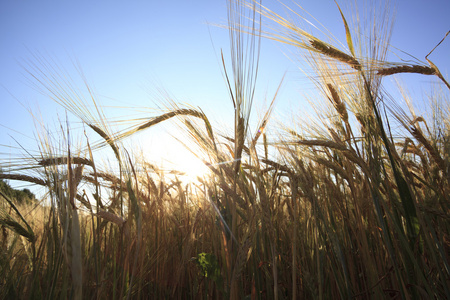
x=130 y=50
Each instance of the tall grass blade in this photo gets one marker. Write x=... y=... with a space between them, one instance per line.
x=347 y=32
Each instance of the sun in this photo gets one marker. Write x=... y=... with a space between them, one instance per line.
x=173 y=157
x=178 y=160
x=191 y=166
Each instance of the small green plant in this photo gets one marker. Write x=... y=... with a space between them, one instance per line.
x=209 y=267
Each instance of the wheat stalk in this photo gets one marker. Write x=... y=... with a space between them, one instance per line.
x=76 y=259
x=241 y=259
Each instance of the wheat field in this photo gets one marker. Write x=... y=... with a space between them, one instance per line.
x=354 y=205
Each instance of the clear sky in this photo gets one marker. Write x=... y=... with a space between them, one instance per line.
x=129 y=50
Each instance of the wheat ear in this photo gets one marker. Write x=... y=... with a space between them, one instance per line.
x=63 y=160
x=23 y=178
x=337 y=102
x=407 y=69
x=433 y=152
x=335 y=53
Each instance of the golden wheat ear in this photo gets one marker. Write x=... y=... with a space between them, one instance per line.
x=332 y=52
x=337 y=103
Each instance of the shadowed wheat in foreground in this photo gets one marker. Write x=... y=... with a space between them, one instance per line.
x=355 y=206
